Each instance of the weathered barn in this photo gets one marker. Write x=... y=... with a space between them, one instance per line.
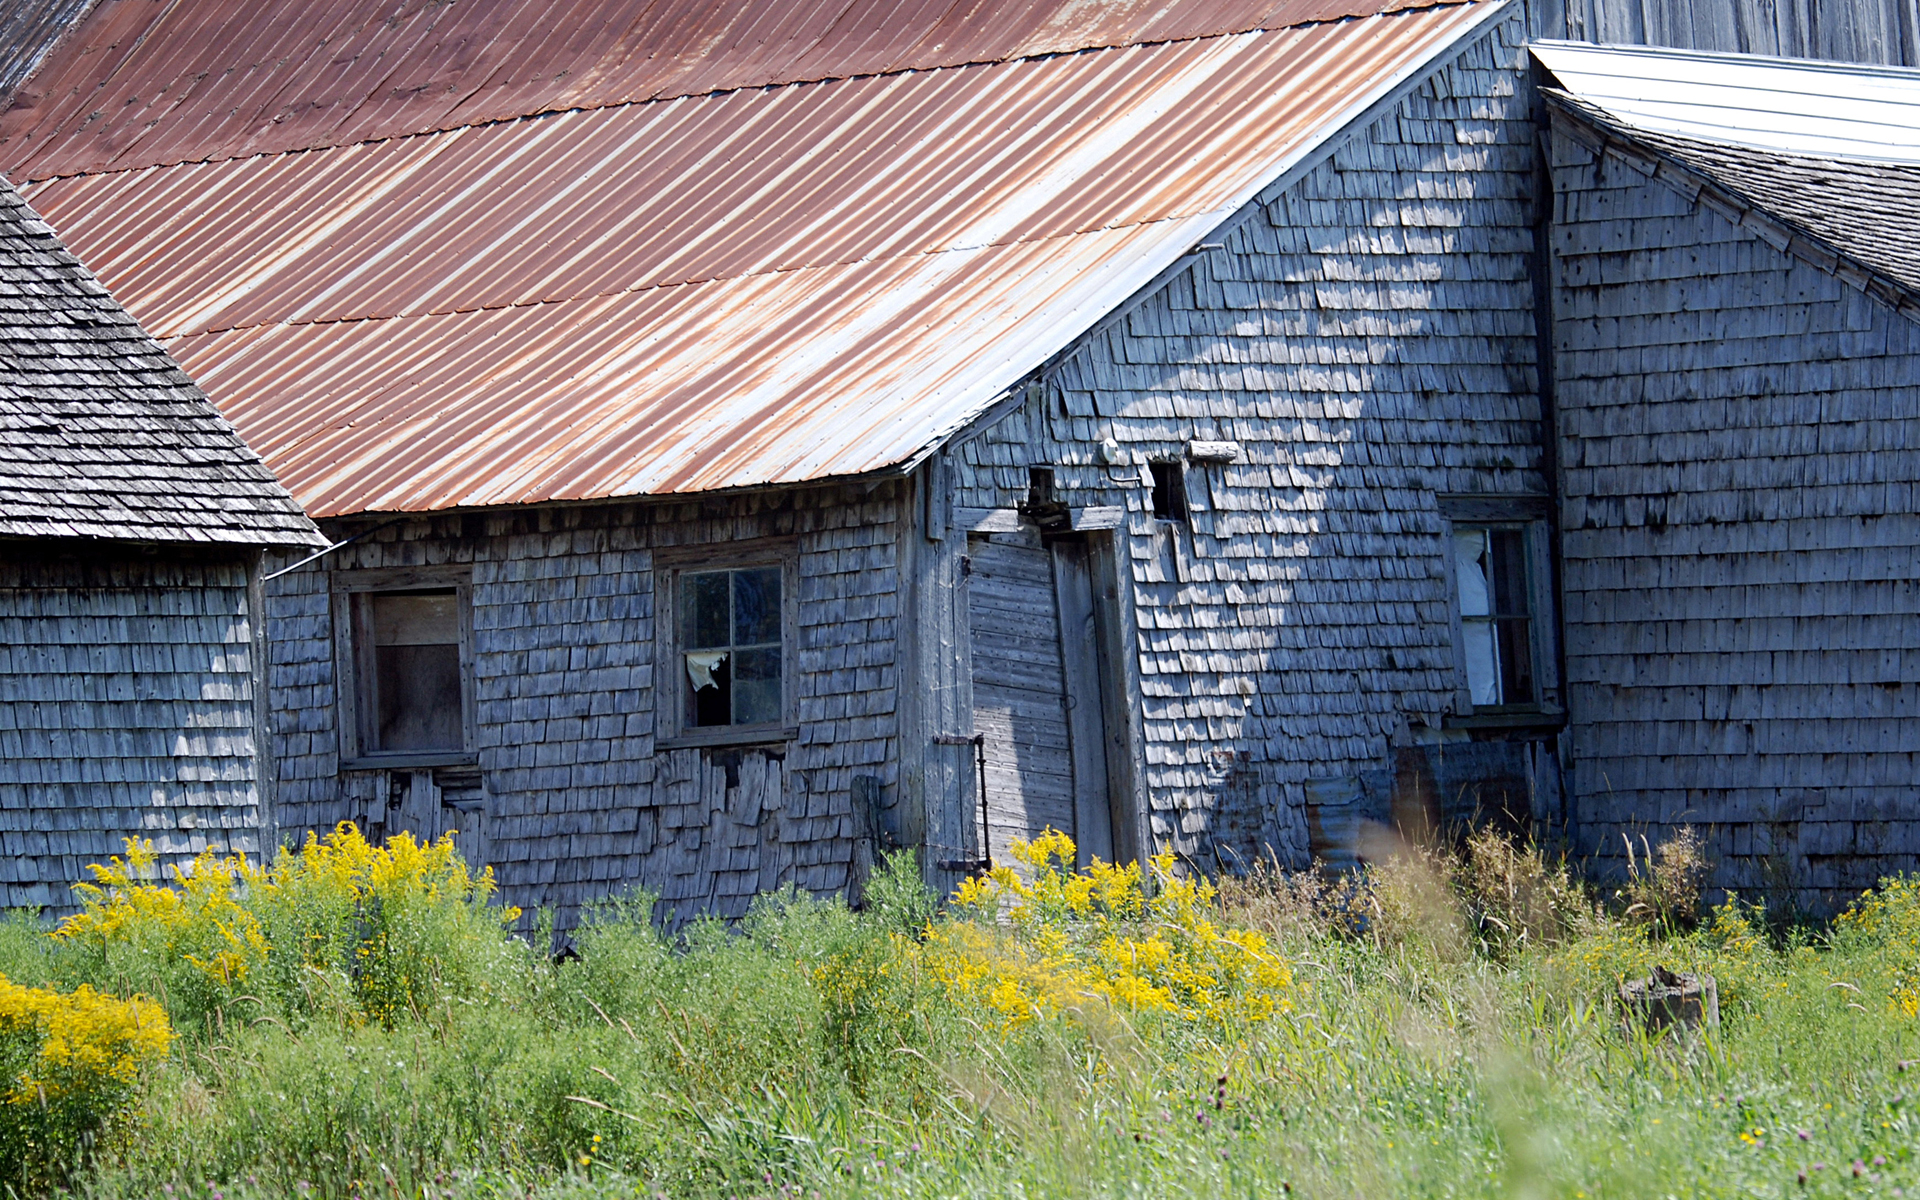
x=1140 y=390
x=759 y=437
x=132 y=524
x=1737 y=362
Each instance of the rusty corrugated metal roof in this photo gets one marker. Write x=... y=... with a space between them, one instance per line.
x=723 y=289
x=144 y=84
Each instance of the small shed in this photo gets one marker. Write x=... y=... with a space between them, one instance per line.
x=1735 y=292
x=133 y=521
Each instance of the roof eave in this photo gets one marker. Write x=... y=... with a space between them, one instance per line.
x=1605 y=134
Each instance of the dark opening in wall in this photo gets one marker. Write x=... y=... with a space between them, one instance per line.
x=1169 y=491
x=1042 y=505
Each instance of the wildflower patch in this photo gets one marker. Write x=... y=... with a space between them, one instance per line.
x=1889 y=917
x=71 y=1061
x=1058 y=939
x=372 y=933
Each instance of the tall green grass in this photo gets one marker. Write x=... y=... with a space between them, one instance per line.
x=1453 y=1032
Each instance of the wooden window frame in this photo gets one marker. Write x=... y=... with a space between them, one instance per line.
x=1528 y=514
x=351 y=656
x=671 y=730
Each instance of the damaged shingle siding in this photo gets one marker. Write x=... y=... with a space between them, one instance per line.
x=1741 y=542
x=1367 y=336
x=581 y=806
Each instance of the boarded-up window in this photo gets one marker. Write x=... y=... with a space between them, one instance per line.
x=730 y=643
x=1493 y=591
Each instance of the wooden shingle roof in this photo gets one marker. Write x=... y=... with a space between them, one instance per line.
x=102 y=435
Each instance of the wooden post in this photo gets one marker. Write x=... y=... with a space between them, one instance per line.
x=939 y=791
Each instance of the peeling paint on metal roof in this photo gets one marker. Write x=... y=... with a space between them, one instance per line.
x=726 y=289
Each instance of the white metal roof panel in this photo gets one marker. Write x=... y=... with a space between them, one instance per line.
x=1791 y=105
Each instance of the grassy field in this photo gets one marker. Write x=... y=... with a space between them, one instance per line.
x=360 y=1023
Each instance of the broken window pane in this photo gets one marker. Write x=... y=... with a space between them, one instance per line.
x=731 y=643
x=416 y=703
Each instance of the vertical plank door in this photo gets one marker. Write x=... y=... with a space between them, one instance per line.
x=1081 y=646
x=1019 y=688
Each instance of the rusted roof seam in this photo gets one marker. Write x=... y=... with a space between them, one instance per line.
x=544 y=114
x=712 y=279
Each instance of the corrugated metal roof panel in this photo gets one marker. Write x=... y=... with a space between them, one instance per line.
x=144 y=84
x=725 y=290
x=1797 y=106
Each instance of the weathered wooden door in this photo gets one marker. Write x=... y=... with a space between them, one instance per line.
x=1036 y=692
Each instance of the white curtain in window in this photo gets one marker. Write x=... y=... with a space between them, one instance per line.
x=1470 y=572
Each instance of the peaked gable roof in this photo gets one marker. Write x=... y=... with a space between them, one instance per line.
x=664 y=287
x=101 y=435
x=1805 y=154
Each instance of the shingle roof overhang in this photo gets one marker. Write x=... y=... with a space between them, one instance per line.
x=756 y=286
x=1858 y=221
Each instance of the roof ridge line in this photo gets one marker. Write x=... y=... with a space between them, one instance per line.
x=545 y=113
x=1612 y=135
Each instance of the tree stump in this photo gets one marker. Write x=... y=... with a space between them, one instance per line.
x=1669 y=998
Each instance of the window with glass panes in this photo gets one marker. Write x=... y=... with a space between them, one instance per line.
x=411 y=696
x=1496 y=618
x=730 y=646
x=403 y=656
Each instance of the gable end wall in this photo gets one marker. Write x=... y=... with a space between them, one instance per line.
x=1366 y=335
x=1739 y=444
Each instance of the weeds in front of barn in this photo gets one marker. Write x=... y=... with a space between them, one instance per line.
x=359 y=1022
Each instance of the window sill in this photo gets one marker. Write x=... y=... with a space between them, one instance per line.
x=395 y=762
x=1531 y=718
x=724 y=736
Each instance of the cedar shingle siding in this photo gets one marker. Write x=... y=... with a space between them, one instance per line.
x=580 y=804
x=1741 y=544
x=1366 y=335
x=131 y=517
x=127 y=709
